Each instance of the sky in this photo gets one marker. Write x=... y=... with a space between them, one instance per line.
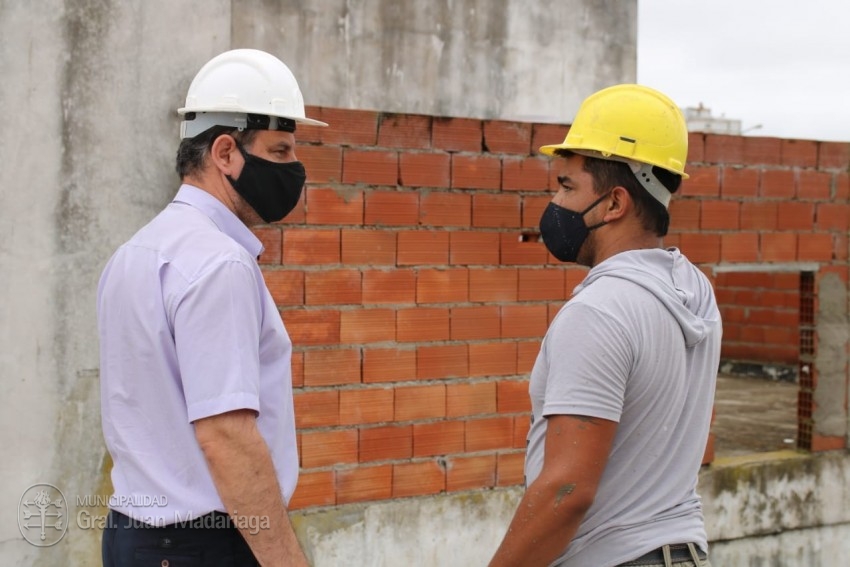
x=780 y=66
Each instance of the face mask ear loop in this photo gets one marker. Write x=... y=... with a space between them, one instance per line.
x=587 y=210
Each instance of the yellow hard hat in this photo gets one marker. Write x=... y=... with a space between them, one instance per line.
x=633 y=123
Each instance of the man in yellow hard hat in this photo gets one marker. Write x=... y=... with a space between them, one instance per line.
x=623 y=386
x=196 y=381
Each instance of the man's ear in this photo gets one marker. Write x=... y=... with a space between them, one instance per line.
x=619 y=204
x=223 y=154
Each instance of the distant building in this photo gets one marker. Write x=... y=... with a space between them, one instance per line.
x=699 y=119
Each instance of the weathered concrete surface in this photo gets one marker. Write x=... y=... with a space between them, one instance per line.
x=782 y=509
x=830 y=399
x=475 y=58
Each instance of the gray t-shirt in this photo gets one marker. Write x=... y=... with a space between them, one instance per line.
x=639 y=344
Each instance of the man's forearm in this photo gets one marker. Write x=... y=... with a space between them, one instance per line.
x=244 y=475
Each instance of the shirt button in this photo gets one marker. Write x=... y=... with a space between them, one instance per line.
x=166 y=543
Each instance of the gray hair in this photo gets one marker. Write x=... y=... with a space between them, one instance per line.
x=192 y=152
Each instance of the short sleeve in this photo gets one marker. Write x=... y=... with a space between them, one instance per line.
x=216 y=332
x=589 y=360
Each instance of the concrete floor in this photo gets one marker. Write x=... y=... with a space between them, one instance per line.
x=754 y=415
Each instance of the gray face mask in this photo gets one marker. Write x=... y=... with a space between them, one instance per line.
x=564 y=231
x=272 y=189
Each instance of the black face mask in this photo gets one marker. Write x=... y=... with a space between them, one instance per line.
x=564 y=231
x=271 y=188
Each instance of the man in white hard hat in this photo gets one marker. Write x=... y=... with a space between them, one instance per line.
x=623 y=387
x=195 y=362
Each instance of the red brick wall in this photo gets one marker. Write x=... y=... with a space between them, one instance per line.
x=416 y=307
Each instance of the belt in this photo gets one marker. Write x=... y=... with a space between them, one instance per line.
x=678 y=553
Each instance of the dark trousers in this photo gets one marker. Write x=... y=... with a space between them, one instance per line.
x=209 y=541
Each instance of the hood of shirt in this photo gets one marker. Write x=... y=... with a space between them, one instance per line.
x=683 y=289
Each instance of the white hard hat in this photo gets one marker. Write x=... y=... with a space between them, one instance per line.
x=239 y=83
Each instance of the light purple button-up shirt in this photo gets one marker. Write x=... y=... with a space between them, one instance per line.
x=188 y=330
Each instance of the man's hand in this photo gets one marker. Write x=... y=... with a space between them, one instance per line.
x=244 y=475
x=549 y=514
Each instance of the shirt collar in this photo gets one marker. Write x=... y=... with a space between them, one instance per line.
x=224 y=219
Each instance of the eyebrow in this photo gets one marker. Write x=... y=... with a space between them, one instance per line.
x=565 y=179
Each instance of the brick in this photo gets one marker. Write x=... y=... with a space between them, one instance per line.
x=739 y=247
x=532 y=210
x=778 y=247
x=298 y=215
x=523 y=321
x=422 y=247
x=322 y=163
x=364 y=484
x=470 y=399
x=383 y=287
x=777 y=183
x=332 y=287
x=362 y=326
x=815 y=247
x=370 y=167
x=331 y=367
x=700 y=247
x=425 y=170
x=476 y=172
x=522 y=425
x=388 y=365
x=547 y=134
x=473 y=248
x=842 y=186
x=541 y=284
x=357 y=407
x=830 y=216
x=834 y=155
x=762 y=151
x=739 y=182
x=703 y=181
x=574 y=276
x=507 y=137
x=489 y=434
x=315 y=488
x=312 y=327
x=310 y=134
x=386 y=443
x=719 y=215
x=475 y=323
x=420 y=402
x=438 y=438
x=328 y=206
x=272 y=240
x=468 y=473
x=310 y=247
x=442 y=361
x=723 y=149
x=801 y=153
x=759 y=215
x=525 y=174
x=442 y=285
x=297 y=365
x=417 y=479
x=684 y=214
x=457 y=134
x=445 y=209
x=422 y=324
x=794 y=215
x=368 y=247
x=513 y=250
x=696 y=147
x=316 y=409
x=391 y=208
x=492 y=359
x=326 y=448
x=499 y=284
x=512 y=396
x=496 y=211
x=814 y=185
x=510 y=469
x=286 y=286
x=349 y=127
x=404 y=131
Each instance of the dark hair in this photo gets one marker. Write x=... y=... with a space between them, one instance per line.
x=608 y=174
x=193 y=151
